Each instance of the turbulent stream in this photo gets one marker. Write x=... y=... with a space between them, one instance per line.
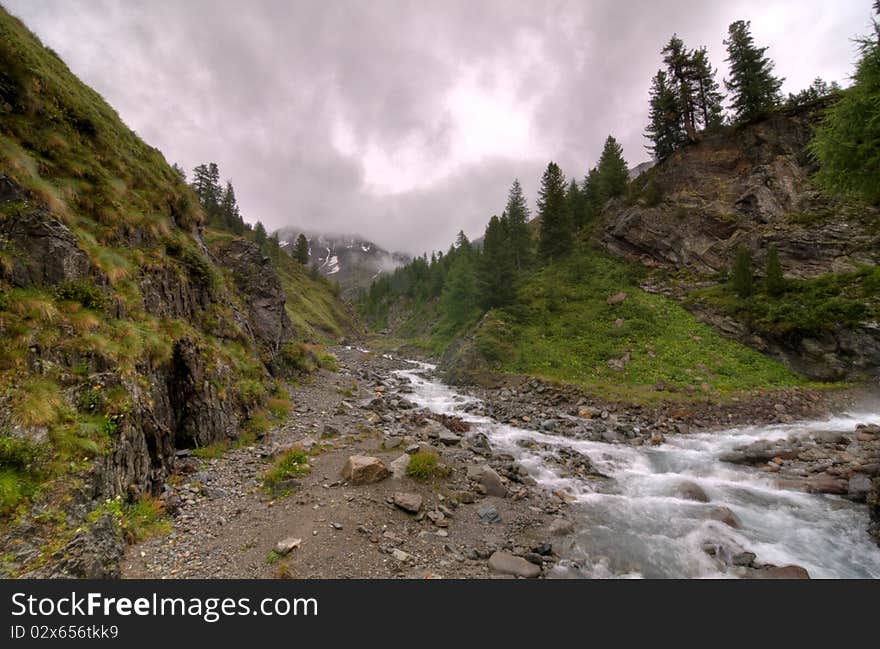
x=631 y=525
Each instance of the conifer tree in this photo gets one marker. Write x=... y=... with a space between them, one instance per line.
x=229 y=214
x=517 y=212
x=742 y=276
x=679 y=70
x=613 y=172
x=664 y=129
x=459 y=299
x=774 y=281
x=496 y=271
x=708 y=98
x=301 y=250
x=556 y=225
x=591 y=198
x=574 y=202
x=206 y=184
x=847 y=142
x=260 y=235
x=754 y=88
x=179 y=171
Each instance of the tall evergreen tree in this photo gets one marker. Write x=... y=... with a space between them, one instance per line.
x=301 y=250
x=742 y=276
x=708 y=98
x=517 y=212
x=591 y=198
x=179 y=171
x=613 y=172
x=664 y=130
x=459 y=300
x=229 y=214
x=679 y=67
x=574 y=202
x=847 y=142
x=260 y=235
x=774 y=281
x=206 y=183
x=556 y=224
x=496 y=271
x=754 y=88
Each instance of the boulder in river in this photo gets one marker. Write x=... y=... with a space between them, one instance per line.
x=688 y=490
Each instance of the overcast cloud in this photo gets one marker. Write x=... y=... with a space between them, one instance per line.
x=406 y=121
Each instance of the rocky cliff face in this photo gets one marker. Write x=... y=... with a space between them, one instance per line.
x=187 y=399
x=749 y=187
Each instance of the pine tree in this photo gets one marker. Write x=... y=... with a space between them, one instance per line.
x=260 y=235
x=301 y=250
x=517 y=212
x=574 y=202
x=708 y=98
x=591 y=198
x=613 y=174
x=229 y=214
x=206 y=184
x=459 y=298
x=179 y=171
x=556 y=225
x=743 y=279
x=847 y=142
x=679 y=70
x=496 y=270
x=754 y=88
x=664 y=130
x=774 y=281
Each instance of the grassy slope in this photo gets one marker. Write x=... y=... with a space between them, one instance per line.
x=563 y=328
x=131 y=214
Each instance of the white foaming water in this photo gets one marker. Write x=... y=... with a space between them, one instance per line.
x=634 y=526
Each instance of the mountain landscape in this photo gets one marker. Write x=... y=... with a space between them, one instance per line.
x=351 y=261
x=666 y=370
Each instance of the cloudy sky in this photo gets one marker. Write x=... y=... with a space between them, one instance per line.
x=406 y=121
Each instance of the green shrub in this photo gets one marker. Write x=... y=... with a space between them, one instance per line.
x=292 y=463
x=422 y=465
x=84 y=292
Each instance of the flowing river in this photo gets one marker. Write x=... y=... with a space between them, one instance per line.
x=630 y=526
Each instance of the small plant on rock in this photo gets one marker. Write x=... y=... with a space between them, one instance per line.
x=422 y=465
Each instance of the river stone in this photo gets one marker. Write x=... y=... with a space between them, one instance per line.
x=432 y=429
x=398 y=467
x=724 y=515
x=508 y=564
x=408 y=502
x=688 y=490
x=859 y=486
x=361 y=469
x=491 y=482
x=285 y=546
x=778 y=572
x=448 y=437
x=560 y=527
x=825 y=483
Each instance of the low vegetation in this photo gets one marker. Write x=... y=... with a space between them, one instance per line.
x=291 y=464
x=422 y=465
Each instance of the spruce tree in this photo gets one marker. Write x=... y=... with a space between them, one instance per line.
x=613 y=172
x=301 y=250
x=574 y=202
x=743 y=279
x=179 y=171
x=517 y=212
x=229 y=214
x=708 y=98
x=679 y=69
x=496 y=270
x=774 y=281
x=664 y=129
x=556 y=225
x=260 y=235
x=206 y=184
x=591 y=198
x=847 y=142
x=753 y=87
x=459 y=300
